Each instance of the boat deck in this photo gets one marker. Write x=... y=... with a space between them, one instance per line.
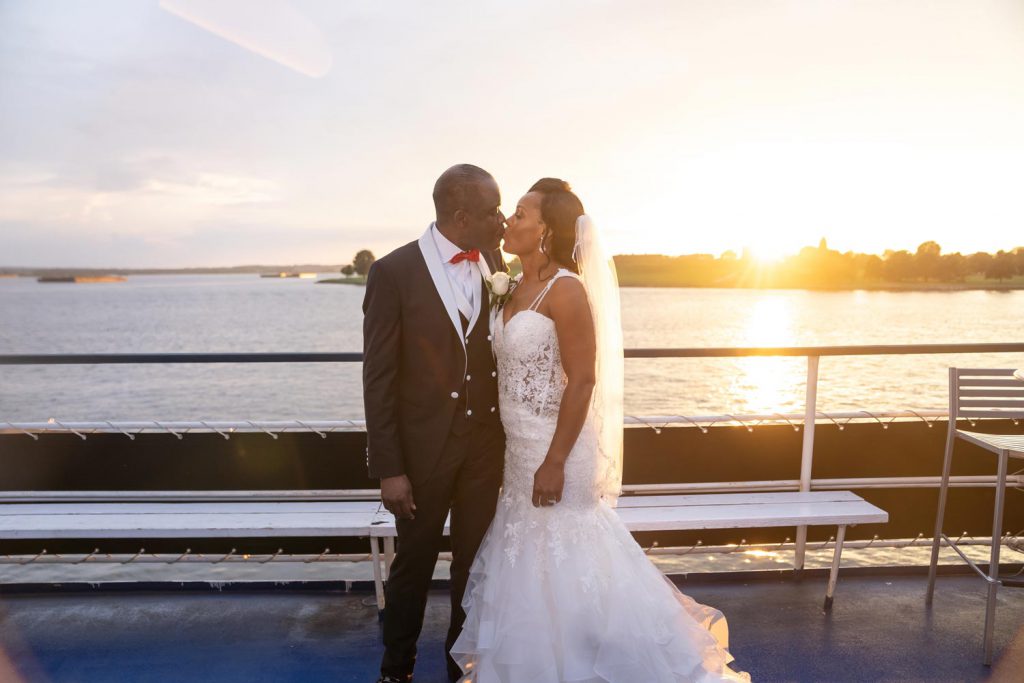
x=879 y=630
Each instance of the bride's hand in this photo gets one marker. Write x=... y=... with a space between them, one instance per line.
x=548 y=481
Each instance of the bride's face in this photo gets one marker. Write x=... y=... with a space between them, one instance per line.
x=525 y=227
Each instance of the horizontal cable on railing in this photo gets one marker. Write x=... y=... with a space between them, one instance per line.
x=224 y=428
x=1015 y=480
x=273 y=428
x=354 y=357
x=44 y=556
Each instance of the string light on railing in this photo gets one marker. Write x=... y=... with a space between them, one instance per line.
x=917 y=538
x=704 y=430
x=320 y=556
x=307 y=427
x=11 y=425
x=930 y=423
x=63 y=426
x=128 y=434
x=274 y=556
x=796 y=427
x=736 y=548
x=736 y=419
x=36 y=557
x=89 y=556
x=168 y=429
x=224 y=434
x=876 y=418
x=226 y=557
x=262 y=429
x=830 y=418
x=135 y=556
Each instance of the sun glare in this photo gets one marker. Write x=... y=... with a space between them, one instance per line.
x=768 y=252
x=767 y=384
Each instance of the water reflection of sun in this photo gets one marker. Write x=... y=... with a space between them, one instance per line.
x=767 y=384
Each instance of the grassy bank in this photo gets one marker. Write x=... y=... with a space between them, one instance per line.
x=875 y=286
x=354 y=280
x=663 y=272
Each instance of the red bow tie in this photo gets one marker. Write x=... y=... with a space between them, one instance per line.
x=471 y=255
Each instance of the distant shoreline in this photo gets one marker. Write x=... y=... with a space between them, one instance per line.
x=51 y=271
x=875 y=287
x=626 y=279
x=353 y=280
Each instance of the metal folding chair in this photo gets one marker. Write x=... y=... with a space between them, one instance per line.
x=979 y=394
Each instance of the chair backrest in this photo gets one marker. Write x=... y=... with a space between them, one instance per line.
x=985 y=392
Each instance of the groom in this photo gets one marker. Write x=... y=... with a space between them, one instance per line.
x=434 y=438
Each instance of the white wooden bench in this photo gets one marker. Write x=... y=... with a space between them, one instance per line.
x=358 y=518
x=207 y=519
x=711 y=511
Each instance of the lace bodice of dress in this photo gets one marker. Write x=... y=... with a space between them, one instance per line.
x=530 y=385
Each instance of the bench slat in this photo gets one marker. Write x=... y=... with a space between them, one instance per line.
x=361 y=518
x=737 y=498
x=194 y=508
x=176 y=525
x=724 y=511
x=739 y=516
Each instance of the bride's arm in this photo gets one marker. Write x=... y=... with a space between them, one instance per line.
x=568 y=307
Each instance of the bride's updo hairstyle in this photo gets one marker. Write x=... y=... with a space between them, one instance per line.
x=559 y=209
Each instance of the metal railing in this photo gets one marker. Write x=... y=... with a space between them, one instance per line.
x=810 y=416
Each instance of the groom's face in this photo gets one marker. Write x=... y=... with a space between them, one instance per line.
x=484 y=221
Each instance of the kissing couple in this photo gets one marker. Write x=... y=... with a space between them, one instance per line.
x=500 y=403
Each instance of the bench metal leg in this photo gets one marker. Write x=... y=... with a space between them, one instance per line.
x=940 y=513
x=833 y=575
x=993 y=565
x=378 y=581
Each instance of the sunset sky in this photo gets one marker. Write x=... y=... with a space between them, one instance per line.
x=140 y=133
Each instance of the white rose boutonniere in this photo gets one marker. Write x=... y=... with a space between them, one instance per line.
x=499 y=284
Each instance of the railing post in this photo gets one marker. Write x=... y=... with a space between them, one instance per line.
x=807 y=455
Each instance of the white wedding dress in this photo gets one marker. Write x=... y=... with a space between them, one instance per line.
x=564 y=593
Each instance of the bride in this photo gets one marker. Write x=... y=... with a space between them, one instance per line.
x=559 y=590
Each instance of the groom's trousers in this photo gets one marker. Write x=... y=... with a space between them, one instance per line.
x=466 y=482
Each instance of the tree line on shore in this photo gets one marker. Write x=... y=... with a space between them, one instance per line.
x=825 y=268
x=360 y=265
x=812 y=267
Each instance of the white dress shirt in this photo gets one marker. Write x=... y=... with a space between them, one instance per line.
x=464 y=275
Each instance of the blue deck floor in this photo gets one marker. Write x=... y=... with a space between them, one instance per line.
x=879 y=630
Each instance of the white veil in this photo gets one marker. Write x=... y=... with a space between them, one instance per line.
x=597 y=270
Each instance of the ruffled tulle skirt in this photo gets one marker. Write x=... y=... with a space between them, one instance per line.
x=564 y=593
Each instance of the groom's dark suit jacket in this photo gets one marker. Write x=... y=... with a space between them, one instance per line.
x=419 y=379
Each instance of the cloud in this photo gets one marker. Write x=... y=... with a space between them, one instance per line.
x=24 y=244
x=685 y=126
x=141 y=193
x=274 y=30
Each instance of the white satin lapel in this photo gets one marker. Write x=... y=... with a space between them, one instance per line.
x=441 y=283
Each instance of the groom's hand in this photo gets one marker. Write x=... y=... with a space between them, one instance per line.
x=396 y=492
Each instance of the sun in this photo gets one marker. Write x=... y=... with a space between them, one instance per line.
x=767 y=252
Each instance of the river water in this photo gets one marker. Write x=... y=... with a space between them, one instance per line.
x=216 y=313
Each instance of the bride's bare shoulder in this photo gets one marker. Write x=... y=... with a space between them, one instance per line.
x=568 y=295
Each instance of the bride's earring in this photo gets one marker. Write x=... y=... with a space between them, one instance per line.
x=542 y=248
